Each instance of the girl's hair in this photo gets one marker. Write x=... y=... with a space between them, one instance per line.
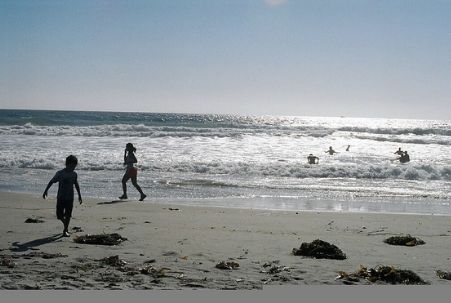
x=130 y=146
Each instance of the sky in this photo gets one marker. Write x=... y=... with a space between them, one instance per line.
x=354 y=58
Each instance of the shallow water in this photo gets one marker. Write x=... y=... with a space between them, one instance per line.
x=236 y=161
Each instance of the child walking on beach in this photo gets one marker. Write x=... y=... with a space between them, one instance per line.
x=67 y=179
x=131 y=172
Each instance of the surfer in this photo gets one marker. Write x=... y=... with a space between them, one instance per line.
x=347 y=148
x=312 y=159
x=131 y=171
x=404 y=157
x=331 y=151
x=399 y=152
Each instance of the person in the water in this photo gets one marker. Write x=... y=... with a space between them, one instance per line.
x=399 y=152
x=312 y=159
x=331 y=151
x=404 y=157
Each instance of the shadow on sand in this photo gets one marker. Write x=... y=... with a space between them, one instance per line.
x=19 y=247
x=114 y=202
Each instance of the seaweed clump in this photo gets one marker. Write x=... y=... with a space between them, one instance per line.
x=34 y=220
x=227 y=265
x=320 y=250
x=387 y=274
x=103 y=239
x=404 y=241
x=443 y=274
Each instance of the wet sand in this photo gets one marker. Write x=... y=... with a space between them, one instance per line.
x=178 y=247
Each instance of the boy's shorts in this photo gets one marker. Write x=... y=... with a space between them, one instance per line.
x=64 y=208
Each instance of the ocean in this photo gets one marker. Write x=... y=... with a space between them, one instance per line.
x=255 y=162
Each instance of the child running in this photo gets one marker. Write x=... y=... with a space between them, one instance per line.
x=67 y=179
x=131 y=172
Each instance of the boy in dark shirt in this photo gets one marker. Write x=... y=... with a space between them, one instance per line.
x=67 y=179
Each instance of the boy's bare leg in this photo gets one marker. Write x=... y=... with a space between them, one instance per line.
x=66 y=227
x=65 y=222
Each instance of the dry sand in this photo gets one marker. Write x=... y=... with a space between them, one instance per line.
x=177 y=247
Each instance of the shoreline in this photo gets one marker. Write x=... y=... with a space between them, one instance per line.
x=184 y=243
x=245 y=203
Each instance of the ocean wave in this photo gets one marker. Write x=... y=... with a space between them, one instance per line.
x=118 y=130
x=429 y=139
x=141 y=130
x=95 y=123
x=397 y=131
x=423 y=136
x=409 y=171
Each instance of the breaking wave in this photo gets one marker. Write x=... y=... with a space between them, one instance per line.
x=444 y=131
x=416 y=136
x=409 y=171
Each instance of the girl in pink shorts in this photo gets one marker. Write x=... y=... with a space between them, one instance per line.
x=131 y=171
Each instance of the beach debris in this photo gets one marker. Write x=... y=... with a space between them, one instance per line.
x=102 y=239
x=268 y=264
x=320 y=250
x=77 y=229
x=279 y=272
x=85 y=267
x=34 y=220
x=443 y=274
x=274 y=267
x=8 y=262
x=170 y=253
x=149 y=261
x=156 y=273
x=228 y=265
x=404 y=240
x=388 y=274
x=113 y=261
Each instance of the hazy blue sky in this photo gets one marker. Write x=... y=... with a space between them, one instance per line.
x=380 y=58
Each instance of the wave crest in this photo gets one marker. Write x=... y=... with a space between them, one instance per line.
x=410 y=171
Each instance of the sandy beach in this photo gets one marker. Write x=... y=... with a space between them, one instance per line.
x=178 y=247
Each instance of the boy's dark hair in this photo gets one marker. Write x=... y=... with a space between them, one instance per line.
x=71 y=159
